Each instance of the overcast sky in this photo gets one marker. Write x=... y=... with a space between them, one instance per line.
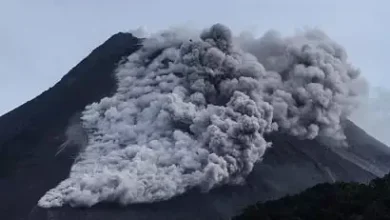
x=41 y=40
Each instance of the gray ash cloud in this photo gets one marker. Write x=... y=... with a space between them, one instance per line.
x=191 y=111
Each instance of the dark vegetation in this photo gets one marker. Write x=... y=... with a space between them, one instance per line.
x=353 y=201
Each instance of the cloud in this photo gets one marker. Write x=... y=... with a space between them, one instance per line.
x=191 y=111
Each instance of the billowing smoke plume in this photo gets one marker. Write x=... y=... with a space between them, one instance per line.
x=191 y=111
x=314 y=86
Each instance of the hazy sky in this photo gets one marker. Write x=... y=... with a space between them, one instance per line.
x=41 y=40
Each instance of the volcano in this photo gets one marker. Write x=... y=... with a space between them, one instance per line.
x=31 y=164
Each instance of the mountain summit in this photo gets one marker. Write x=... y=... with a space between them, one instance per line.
x=209 y=101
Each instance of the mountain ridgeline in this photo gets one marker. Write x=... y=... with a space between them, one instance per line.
x=31 y=134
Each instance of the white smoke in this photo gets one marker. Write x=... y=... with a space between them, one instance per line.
x=75 y=135
x=140 y=32
x=191 y=111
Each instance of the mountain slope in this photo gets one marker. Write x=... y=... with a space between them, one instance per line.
x=31 y=134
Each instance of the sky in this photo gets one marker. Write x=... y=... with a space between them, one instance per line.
x=41 y=40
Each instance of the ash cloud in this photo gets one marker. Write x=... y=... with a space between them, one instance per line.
x=313 y=87
x=75 y=135
x=191 y=111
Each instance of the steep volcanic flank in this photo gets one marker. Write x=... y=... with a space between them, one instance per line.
x=187 y=112
x=31 y=134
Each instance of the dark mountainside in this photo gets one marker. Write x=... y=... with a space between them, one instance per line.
x=31 y=134
x=341 y=201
